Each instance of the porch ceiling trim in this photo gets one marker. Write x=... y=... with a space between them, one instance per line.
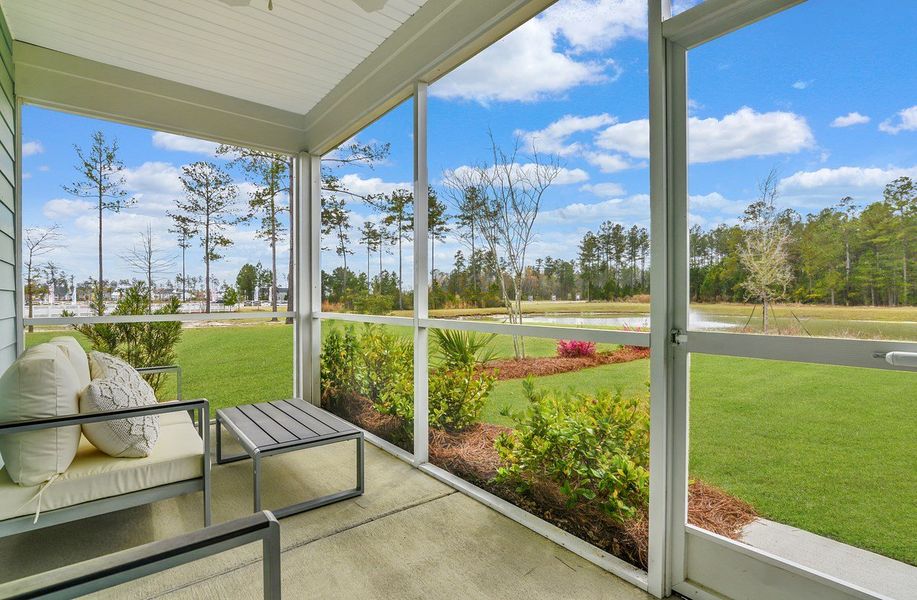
x=73 y=84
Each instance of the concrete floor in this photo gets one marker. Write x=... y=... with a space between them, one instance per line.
x=409 y=536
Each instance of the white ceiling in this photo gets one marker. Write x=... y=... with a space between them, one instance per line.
x=287 y=58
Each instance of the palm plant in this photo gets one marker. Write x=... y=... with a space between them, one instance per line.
x=457 y=349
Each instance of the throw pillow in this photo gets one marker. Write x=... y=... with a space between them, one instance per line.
x=116 y=384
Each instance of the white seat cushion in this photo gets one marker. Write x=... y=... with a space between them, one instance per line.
x=41 y=383
x=94 y=474
x=116 y=384
x=76 y=355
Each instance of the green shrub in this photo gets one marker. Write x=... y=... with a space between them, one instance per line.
x=457 y=396
x=594 y=449
x=139 y=344
x=459 y=386
x=339 y=361
x=385 y=372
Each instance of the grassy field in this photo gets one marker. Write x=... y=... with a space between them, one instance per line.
x=832 y=450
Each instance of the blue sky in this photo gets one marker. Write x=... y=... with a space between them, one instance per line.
x=825 y=93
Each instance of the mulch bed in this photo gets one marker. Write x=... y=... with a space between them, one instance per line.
x=511 y=368
x=471 y=455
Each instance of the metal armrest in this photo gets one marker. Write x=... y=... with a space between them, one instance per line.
x=201 y=405
x=125 y=566
x=165 y=369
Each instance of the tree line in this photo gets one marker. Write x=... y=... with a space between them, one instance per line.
x=845 y=254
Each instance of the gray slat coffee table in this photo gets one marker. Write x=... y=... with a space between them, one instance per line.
x=269 y=428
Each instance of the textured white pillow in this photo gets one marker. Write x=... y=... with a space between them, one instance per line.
x=116 y=384
x=41 y=383
x=77 y=356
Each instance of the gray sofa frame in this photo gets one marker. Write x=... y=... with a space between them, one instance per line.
x=92 y=508
x=123 y=567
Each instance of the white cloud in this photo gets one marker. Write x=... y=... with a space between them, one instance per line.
x=523 y=66
x=32 y=148
x=844 y=178
x=153 y=177
x=555 y=137
x=904 y=120
x=180 y=143
x=849 y=119
x=543 y=57
x=372 y=185
x=584 y=213
x=610 y=163
x=44 y=168
x=737 y=135
x=564 y=176
x=711 y=201
x=606 y=189
x=64 y=208
x=802 y=84
x=596 y=25
x=631 y=137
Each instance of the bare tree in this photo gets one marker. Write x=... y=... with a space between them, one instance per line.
x=148 y=260
x=103 y=181
x=512 y=193
x=763 y=252
x=38 y=242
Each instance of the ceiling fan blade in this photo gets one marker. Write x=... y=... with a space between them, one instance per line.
x=236 y=2
x=370 y=5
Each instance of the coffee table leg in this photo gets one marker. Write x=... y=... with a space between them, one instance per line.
x=219 y=441
x=256 y=484
x=360 y=461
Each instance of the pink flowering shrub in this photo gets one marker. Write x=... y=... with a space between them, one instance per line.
x=575 y=348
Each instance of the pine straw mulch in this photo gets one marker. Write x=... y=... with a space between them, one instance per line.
x=510 y=368
x=471 y=455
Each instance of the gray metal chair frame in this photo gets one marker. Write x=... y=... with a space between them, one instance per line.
x=105 y=505
x=125 y=566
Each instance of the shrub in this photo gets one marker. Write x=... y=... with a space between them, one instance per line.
x=139 y=344
x=385 y=372
x=575 y=348
x=459 y=386
x=594 y=449
x=339 y=361
x=457 y=396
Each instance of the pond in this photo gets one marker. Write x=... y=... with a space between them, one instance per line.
x=705 y=321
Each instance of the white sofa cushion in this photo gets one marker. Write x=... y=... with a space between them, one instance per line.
x=116 y=384
x=41 y=383
x=76 y=355
x=94 y=474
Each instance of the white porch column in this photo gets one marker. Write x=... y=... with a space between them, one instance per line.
x=668 y=307
x=306 y=225
x=421 y=275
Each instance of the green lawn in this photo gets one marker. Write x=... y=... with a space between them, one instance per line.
x=832 y=450
x=227 y=365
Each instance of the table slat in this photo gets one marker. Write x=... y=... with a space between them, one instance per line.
x=266 y=424
x=248 y=427
x=288 y=422
x=329 y=420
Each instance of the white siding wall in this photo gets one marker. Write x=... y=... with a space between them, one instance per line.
x=8 y=242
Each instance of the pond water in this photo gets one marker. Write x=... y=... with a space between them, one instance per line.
x=787 y=325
